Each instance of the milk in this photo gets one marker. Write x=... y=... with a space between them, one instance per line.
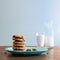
x=40 y=39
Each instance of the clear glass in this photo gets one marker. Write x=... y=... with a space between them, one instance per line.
x=49 y=34
x=46 y=37
x=40 y=39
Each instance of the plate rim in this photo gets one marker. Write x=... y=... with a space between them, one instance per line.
x=7 y=49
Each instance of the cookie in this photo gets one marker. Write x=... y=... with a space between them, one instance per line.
x=17 y=37
x=19 y=48
x=19 y=43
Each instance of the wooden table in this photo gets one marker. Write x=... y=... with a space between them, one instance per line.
x=53 y=54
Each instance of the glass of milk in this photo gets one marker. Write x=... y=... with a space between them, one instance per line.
x=49 y=34
x=40 y=39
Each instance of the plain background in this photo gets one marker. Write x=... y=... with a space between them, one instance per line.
x=26 y=17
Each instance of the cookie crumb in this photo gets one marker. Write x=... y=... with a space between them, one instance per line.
x=5 y=52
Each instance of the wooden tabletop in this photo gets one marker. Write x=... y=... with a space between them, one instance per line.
x=53 y=54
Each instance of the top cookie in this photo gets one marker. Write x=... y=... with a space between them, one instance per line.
x=17 y=37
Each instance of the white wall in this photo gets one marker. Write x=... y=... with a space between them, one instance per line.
x=26 y=17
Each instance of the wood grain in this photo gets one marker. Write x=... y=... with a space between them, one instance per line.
x=53 y=54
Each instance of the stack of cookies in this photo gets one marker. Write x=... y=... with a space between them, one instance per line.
x=18 y=43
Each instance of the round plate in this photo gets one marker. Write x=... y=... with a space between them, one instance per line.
x=39 y=50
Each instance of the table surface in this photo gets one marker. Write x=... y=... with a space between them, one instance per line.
x=53 y=54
